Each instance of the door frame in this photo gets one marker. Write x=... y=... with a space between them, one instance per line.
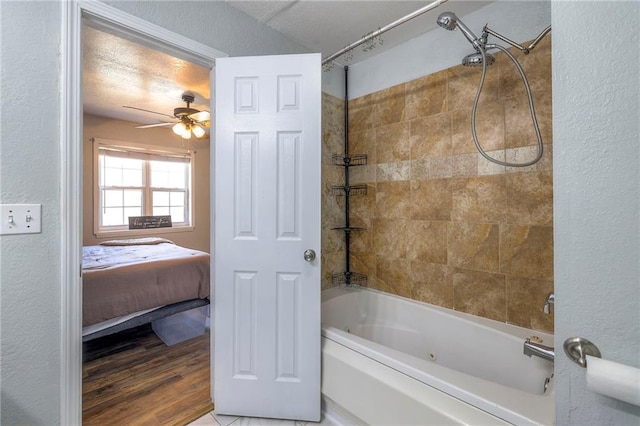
x=133 y=28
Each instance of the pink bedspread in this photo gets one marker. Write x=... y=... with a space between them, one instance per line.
x=120 y=280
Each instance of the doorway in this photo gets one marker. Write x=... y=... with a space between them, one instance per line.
x=134 y=375
x=113 y=21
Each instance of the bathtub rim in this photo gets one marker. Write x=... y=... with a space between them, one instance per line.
x=509 y=404
x=516 y=331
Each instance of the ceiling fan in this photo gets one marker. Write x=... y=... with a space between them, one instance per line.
x=190 y=120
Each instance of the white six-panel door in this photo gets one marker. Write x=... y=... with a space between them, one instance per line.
x=266 y=296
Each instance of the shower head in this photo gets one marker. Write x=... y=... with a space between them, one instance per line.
x=449 y=21
x=475 y=59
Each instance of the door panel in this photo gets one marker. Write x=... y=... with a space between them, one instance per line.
x=267 y=213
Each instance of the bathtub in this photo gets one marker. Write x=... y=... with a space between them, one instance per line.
x=390 y=360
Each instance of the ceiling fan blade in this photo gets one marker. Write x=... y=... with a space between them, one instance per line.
x=200 y=116
x=146 y=110
x=146 y=126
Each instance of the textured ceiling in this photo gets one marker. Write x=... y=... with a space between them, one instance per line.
x=119 y=72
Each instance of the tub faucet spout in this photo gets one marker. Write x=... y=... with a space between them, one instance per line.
x=536 y=349
x=547 y=303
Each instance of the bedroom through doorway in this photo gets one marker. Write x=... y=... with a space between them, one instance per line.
x=146 y=196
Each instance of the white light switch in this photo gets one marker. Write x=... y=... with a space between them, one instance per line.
x=20 y=218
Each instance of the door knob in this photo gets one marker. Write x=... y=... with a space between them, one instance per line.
x=309 y=255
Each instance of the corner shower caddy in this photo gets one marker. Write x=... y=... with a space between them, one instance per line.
x=348 y=277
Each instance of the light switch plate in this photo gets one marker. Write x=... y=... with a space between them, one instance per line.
x=20 y=218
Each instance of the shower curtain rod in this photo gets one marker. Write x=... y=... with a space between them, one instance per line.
x=384 y=29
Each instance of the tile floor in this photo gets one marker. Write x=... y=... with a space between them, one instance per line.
x=213 y=419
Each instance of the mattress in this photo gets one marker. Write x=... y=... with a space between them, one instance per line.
x=122 y=278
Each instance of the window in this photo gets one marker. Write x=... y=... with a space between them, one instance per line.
x=133 y=180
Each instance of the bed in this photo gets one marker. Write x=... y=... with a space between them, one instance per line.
x=127 y=283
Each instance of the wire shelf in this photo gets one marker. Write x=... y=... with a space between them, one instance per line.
x=349 y=278
x=350 y=190
x=350 y=160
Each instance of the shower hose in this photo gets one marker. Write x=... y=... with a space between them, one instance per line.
x=531 y=108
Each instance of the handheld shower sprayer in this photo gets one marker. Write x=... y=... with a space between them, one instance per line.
x=449 y=21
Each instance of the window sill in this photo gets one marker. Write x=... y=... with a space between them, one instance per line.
x=135 y=232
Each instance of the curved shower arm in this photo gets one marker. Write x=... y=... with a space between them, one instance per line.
x=522 y=48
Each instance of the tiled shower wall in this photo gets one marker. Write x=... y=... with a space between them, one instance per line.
x=333 y=245
x=444 y=225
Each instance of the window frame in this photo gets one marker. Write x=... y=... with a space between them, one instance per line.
x=123 y=230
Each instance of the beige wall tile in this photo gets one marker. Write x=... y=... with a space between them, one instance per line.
x=362 y=174
x=536 y=65
x=525 y=300
x=361 y=241
x=363 y=206
x=427 y=241
x=522 y=155
x=480 y=293
x=431 y=199
x=389 y=106
x=394 y=274
x=362 y=142
x=332 y=240
x=361 y=114
x=527 y=251
x=332 y=263
x=432 y=283
x=461 y=138
x=390 y=172
x=530 y=198
x=490 y=127
x=546 y=162
x=490 y=124
x=393 y=200
x=479 y=199
x=364 y=263
x=390 y=238
x=430 y=136
x=419 y=169
x=392 y=143
x=519 y=127
x=441 y=167
x=462 y=86
x=487 y=167
x=426 y=96
x=465 y=165
x=474 y=246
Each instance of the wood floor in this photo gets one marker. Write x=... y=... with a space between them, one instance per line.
x=135 y=379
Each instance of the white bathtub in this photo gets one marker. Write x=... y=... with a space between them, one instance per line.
x=390 y=360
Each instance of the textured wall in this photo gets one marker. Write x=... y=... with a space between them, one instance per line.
x=99 y=127
x=596 y=115
x=444 y=225
x=30 y=172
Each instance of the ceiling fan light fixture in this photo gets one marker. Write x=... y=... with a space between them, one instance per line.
x=179 y=129
x=197 y=131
